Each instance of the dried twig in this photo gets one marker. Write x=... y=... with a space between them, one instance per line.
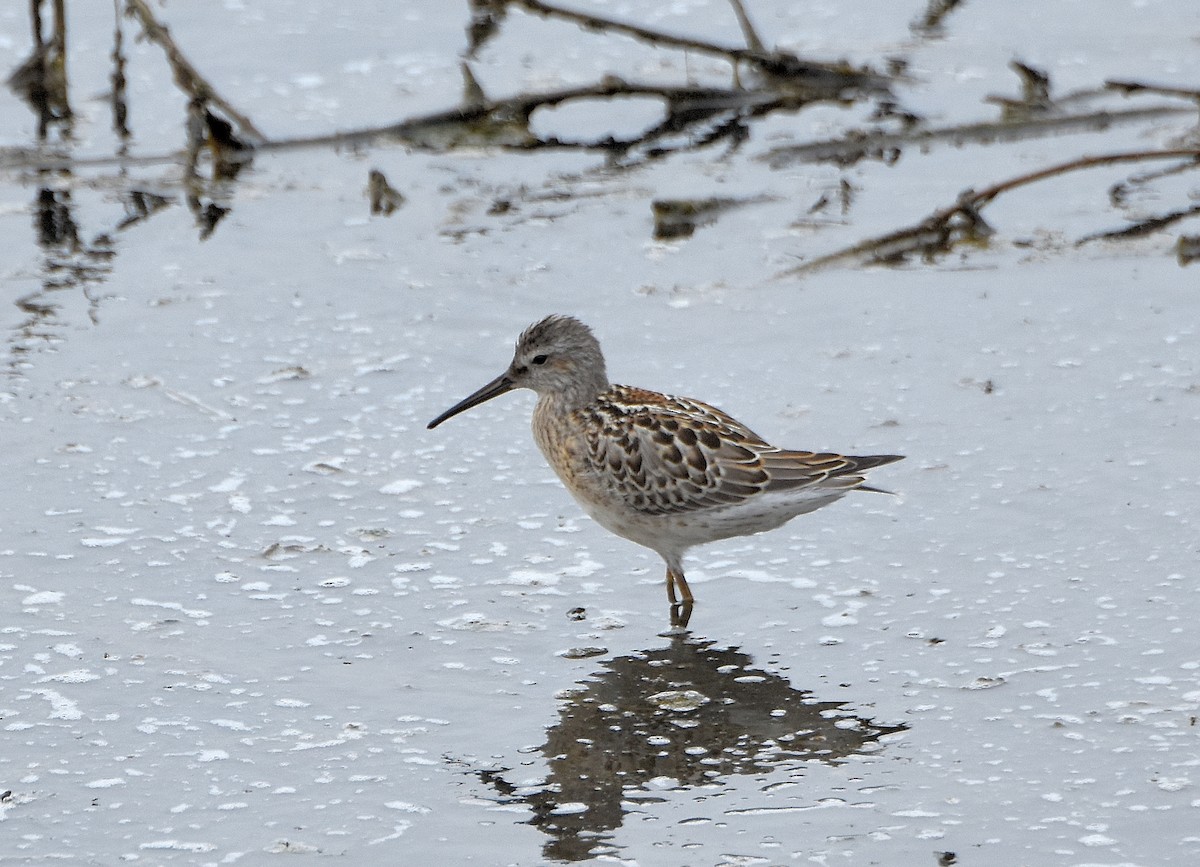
x=186 y=75
x=1142 y=227
x=945 y=228
x=1128 y=87
x=775 y=63
x=935 y=14
x=644 y=34
x=505 y=122
x=748 y=31
x=984 y=196
x=859 y=145
x=478 y=122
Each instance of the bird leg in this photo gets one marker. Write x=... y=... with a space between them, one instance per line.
x=675 y=577
x=681 y=611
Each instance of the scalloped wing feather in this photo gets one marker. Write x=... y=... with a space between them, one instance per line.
x=668 y=455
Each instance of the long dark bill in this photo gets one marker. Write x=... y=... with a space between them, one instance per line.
x=498 y=386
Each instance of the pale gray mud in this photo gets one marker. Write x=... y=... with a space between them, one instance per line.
x=251 y=607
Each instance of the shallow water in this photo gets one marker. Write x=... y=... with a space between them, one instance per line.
x=253 y=606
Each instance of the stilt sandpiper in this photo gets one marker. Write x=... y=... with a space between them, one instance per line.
x=666 y=472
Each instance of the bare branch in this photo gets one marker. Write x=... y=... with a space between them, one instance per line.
x=859 y=145
x=186 y=75
x=1128 y=87
x=748 y=31
x=942 y=230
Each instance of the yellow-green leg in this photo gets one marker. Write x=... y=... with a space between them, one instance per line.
x=681 y=611
x=675 y=578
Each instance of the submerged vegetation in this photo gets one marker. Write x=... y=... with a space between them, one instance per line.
x=762 y=81
x=218 y=139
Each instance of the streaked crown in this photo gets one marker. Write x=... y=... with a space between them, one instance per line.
x=559 y=357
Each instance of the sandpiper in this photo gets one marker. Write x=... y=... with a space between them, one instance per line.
x=665 y=472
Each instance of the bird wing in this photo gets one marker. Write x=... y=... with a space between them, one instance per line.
x=667 y=455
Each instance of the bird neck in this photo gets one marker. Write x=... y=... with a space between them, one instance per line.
x=578 y=394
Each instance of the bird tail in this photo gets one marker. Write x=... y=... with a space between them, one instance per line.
x=860 y=464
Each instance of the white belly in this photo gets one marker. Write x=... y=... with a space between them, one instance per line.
x=676 y=533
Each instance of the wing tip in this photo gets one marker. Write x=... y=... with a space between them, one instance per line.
x=861 y=464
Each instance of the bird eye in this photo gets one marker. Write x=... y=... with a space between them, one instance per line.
x=539 y=359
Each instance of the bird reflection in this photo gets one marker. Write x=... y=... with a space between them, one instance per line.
x=689 y=712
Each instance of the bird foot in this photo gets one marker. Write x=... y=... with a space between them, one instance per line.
x=681 y=613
